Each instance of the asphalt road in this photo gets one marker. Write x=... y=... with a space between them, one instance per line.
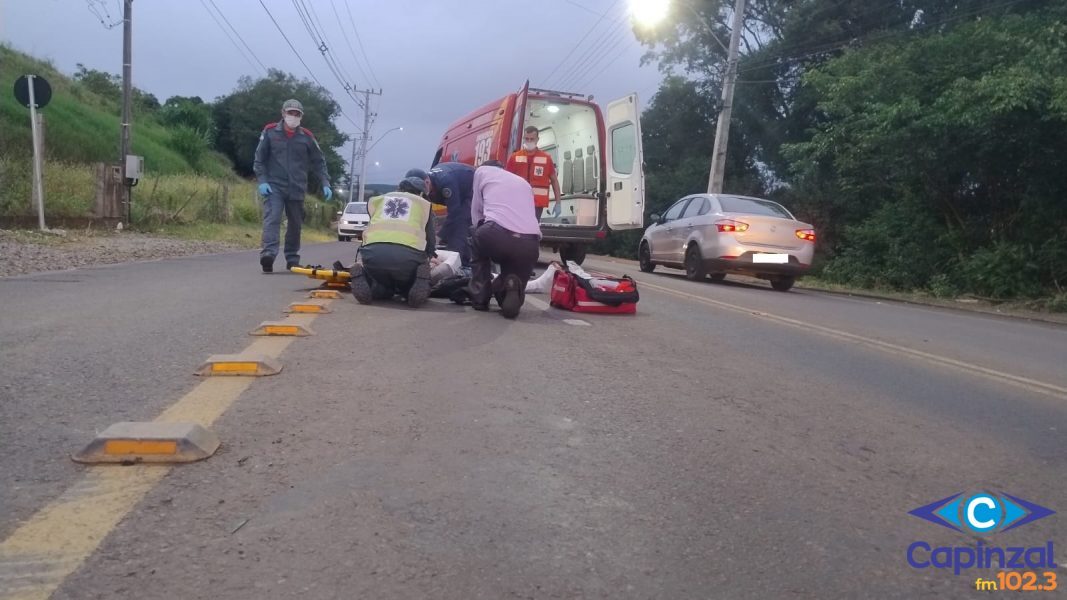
x=728 y=441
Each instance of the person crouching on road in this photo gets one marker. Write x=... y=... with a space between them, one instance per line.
x=285 y=153
x=507 y=233
x=397 y=246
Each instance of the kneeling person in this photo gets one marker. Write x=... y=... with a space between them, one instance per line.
x=397 y=245
x=507 y=233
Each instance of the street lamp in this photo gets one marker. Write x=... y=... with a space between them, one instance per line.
x=363 y=165
x=651 y=12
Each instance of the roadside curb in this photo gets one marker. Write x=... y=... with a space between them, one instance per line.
x=947 y=305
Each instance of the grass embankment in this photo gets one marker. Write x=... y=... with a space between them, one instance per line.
x=82 y=128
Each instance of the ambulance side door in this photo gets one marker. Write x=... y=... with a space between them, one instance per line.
x=624 y=165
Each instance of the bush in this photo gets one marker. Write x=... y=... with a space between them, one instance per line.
x=900 y=246
x=1005 y=270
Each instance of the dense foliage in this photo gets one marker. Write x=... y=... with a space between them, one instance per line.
x=926 y=140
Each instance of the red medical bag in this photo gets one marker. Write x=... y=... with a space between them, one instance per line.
x=600 y=294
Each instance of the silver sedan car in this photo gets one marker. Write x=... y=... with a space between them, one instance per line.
x=717 y=234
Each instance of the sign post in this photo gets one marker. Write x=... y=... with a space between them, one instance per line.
x=34 y=92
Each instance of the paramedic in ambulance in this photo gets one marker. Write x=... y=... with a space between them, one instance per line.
x=507 y=233
x=536 y=167
x=449 y=183
x=397 y=246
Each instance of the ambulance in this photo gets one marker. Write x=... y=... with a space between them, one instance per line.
x=597 y=153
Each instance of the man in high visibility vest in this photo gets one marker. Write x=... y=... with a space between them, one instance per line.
x=397 y=246
x=536 y=167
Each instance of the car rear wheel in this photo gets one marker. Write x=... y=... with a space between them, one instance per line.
x=783 y=283
x=341 y=238
x=644 y=257
x=694 y=263
x=717 y=277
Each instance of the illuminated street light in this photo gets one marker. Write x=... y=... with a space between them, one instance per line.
x=649 y=13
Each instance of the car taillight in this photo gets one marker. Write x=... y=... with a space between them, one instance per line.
x=729 y=226
x=808 y=235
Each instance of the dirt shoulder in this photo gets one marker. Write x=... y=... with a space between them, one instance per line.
x=32 y=252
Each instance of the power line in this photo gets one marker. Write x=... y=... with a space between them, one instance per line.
x=236 y=33
x=609 y=39
x=100 y=11
x=228 y=35
x=890 y=30
x=320 y=41
x=301 y=59
x=348 y=42
x=359 y=42
x=583 y=38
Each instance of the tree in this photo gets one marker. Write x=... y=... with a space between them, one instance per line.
x=241 y=116
x=951 y=148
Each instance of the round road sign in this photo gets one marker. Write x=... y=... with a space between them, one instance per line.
x=42 y=91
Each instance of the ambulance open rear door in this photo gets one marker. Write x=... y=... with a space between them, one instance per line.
x=625 y=165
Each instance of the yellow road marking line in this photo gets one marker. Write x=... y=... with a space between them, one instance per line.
x=1027 y=383
x=61 y=536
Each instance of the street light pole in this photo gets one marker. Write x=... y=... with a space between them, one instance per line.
x=366 y=138
x=722 y=128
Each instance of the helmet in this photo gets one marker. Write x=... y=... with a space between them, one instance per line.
x=293 y=104
x=416 y=173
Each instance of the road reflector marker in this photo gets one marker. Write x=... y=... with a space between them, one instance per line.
x=153 y=442
x=282 y=328
x=308 y=307
x=325 y=294
x=247 y=365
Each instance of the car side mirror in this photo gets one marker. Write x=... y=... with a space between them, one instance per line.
x=657 y=219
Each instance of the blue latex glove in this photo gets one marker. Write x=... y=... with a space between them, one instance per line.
x=558 y=210
x=327 y=193
x=264 y=189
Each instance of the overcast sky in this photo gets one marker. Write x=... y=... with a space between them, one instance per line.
x=434 y=60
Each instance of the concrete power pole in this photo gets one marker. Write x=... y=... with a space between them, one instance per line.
x=722 y=129
x=127 y=89
x=352 y=173
x=363 y=144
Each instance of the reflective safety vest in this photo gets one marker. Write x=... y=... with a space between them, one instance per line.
x=537 y=168
x=398 y=218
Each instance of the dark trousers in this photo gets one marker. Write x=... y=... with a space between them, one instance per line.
x=515 y=253
x=390 y=268
x=275 y=206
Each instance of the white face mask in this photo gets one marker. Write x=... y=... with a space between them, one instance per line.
x=292 y=122
x=529 y=146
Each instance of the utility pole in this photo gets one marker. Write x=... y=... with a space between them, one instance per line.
x=352 y=173
x=366 y=138
x=127 y=89
x=722 y=129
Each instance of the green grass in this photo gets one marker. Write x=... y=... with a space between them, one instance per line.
x=81 y=128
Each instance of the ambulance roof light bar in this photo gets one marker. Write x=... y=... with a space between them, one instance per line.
x=561 y=94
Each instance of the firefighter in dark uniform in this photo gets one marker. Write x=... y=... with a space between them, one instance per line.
x=285 y=154
x=452 y=184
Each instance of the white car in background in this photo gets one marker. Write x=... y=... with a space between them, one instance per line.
x=716 y=234
x=352 y=221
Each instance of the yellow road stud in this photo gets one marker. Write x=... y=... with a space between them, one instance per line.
x=247 y=365
x=308 y=306
x=282 y=328
x=325 y=294
x=153 y=442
